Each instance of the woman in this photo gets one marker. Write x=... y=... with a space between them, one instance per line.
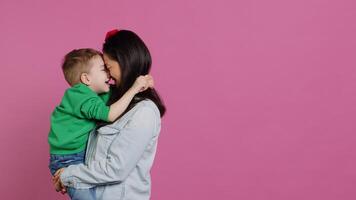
x=119 y=156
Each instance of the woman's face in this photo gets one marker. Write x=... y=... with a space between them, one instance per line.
x=113 y=67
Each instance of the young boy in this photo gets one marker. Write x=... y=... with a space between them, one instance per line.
x=82 y=105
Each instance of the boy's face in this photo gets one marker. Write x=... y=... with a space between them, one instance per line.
x=98 y=76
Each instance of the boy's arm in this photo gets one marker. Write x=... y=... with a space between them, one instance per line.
x=95 y=108
x=119 y=107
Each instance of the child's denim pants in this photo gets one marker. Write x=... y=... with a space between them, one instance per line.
x=59 y=161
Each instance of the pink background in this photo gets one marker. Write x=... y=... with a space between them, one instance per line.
x=260 y=94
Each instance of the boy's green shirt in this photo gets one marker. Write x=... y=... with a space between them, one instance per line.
x=74 y=118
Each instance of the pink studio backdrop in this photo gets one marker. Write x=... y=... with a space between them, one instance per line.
x=260 y=94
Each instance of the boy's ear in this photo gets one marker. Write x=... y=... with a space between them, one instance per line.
x=84 y=78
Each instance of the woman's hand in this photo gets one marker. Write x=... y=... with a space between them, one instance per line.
x=58 y=185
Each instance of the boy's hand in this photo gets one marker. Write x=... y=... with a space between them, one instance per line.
x=150 y=82
x=142 y=83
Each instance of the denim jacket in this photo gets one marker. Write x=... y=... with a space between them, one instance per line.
x=119 y=156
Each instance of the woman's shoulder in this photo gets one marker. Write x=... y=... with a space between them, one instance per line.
x=146 y=106
x=144 y=111
x=142 y=108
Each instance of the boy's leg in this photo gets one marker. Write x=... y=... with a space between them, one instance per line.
x=60 y=161
x=81 y=194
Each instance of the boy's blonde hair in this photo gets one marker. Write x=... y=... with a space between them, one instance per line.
x=76 y=62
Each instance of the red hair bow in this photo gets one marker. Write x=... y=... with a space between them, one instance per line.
x=111 y=33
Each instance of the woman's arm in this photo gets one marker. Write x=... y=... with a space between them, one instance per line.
x=123 y=154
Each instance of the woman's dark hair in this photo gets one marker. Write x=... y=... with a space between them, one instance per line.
x=134 y=59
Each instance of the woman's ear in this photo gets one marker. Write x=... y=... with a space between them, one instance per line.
x=84 y=78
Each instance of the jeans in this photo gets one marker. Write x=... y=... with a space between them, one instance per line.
x=59 y=161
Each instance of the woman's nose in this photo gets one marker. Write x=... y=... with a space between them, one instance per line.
x=107 y=73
